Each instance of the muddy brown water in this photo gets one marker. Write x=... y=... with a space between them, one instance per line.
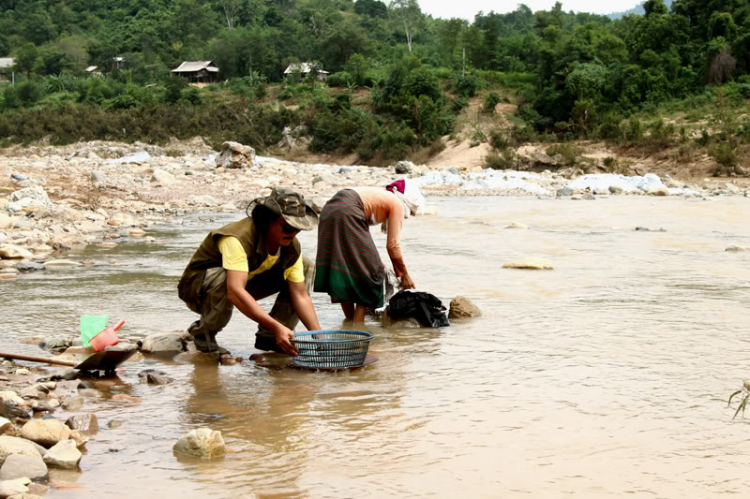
x=607 y=376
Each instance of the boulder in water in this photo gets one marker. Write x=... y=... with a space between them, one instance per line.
x=461 y=308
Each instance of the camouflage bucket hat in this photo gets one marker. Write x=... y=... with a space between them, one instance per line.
x=291 y=206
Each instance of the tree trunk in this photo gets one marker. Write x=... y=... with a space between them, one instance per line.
x=408 y=35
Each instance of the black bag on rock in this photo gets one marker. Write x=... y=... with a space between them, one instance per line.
x=424 y=307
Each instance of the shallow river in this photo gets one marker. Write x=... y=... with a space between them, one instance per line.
x=607 y=376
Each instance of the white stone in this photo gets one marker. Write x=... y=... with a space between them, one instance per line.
x=163 y=342
x=30 y=196
x=235 y=155
x=205 y=200
x=10 y=488
x=18 y=466
x=16 y=445
x=203 y=442
x=13 y=252
x=63 y=455
x=162 y=177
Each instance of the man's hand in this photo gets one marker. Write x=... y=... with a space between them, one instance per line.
x=284 y=337
x=406 y=282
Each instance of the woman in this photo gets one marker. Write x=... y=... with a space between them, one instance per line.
x=348 y=265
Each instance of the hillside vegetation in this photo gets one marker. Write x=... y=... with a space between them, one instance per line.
x=674 y=79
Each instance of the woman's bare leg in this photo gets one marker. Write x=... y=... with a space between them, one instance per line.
x=348 y=308
x=359 y=313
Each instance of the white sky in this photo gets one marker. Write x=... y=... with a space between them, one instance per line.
x=468 y=8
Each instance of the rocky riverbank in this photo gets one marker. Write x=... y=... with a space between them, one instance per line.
x=47 y=415
x=55 y=198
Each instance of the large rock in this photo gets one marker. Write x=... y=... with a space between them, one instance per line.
x=13 y=252
x=29 y=196
x=83 y=422
x=204 y=443
x=405 y=167
x=530 y=264
x=6 y=222
x=14 y=488
x=20 y=466
x=235 y=155
x=46 y=432
x=12 y=410
x=162 y=177
x=461 y=307
x=16 y=445
x=63 y=455
x=8 y=428
x=659 y=191
x=205 y=200
x=73 y=404
x=137 y=158
x=163 y=342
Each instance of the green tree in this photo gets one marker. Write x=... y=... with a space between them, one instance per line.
x=655 y=7
x=409 y=14
x=26 y=58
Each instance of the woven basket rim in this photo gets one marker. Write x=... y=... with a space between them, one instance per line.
x=306 y=337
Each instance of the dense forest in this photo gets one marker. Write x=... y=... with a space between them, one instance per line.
x=571 y=74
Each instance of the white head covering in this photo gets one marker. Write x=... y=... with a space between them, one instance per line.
x=412 y=200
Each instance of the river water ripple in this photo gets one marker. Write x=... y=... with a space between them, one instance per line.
x=607 y=376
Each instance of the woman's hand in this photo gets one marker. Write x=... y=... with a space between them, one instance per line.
x=406 y=282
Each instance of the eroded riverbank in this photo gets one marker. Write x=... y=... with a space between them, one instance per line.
x=53 y=199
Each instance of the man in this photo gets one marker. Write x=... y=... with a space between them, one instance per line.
x=247 y=261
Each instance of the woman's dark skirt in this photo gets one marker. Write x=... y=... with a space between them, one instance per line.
x=348 y=265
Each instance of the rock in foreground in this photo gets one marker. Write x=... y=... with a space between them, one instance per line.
x=46 y=432
x=203 y=443
x=20 y=466
x=63 y=455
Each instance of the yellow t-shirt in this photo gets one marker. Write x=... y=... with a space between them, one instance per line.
x=233 y=257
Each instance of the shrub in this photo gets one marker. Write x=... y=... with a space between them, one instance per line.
x=634 y=130
x=287 y=93
x=341 y=79
x=661 y=134
x=498 y=140
x=174 y=87
x=465 y=85
x=490 y=101
x=704 y=139
x=523 y=134
x=459 y=103
x=11 y=100
x=724 y=153
x=504 y=160
x=422 y=81
x=569 y=152
x=191 y=95
x=610 y=128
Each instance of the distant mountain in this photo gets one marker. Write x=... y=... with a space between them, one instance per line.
x=638 y=10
